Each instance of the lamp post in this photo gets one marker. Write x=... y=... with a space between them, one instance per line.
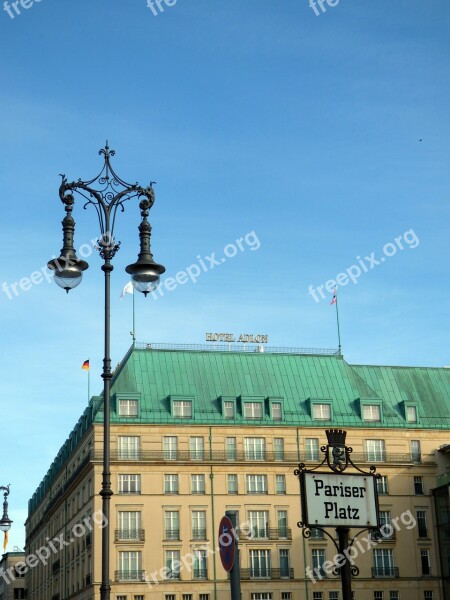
x=5 y=521
x=110 y=194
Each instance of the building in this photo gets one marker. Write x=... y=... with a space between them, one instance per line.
x=198 y=432
x=442 y=510
x=12 y=582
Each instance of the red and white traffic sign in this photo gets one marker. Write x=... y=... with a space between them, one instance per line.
x=227 y=543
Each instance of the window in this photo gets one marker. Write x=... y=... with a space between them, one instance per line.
x=121 y=598
x=425 y=562
x=317 y=595
x=259 y=563
x=387 y=530
x=172 y=525
x=186 y=597
x=259 y=523
x=196 y=448
x=282 y=521
x=333 y=595
x=266 y=595
x=322 y=412
x=170 y=447
x=312 y=448
x=281 y=484
x=284 y=563
x=199 y=525
x=200 y=566
x=415 y=451
x=428 y=595
x=383 y=563
x=130 y=566
x=197 y=484
x=286 y=596
x=255 y=448
x=228 y=410
x=170 y=597
x=230 y=444
x=378 y=595
x=371 y=412
x=129 y=447
x=19 y=593
x=128 y=408
x=256 y=484
x=203 y=597
x=375 y=450
x=422 y=523
x=182 y=409
x=316 y=534
x=393 y=595
x=173 y=564
x=418 y=486
x=277 y=413
x=252 y=410
x=411 y=414
x=139 y=597
x=318 y=558
x=171 y=484
x=382 y=485
x=232 y=484
x=129 y=525
x=278 y=444
x=129 y=484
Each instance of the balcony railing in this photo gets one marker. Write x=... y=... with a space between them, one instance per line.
x=128 y=535
x=88 y=579
x=391 y=572
x=130 y=575
x=267 y=573
x=172 y=534
x=185 y=456
x=199 y=534
x=200 y=574
x=266 y=533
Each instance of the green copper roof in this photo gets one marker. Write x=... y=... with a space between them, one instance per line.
x=296 y=380
x=157 y=377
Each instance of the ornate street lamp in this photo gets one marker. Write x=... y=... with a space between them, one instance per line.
x=111 y=194
x=5 y=521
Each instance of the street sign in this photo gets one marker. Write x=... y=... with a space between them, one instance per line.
x=339 y=500
x=227 y=543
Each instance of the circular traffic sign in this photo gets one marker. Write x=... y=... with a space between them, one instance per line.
x=227 y=543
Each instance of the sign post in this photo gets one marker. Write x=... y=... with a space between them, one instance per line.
x=340 y=500
x=229 y=552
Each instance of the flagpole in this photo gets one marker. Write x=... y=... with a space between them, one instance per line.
x=337 y=319
x=134 y=323
x=89 y=382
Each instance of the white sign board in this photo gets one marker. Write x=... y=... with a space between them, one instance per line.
x=339 y=500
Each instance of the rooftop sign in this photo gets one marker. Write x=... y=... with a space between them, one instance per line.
x=245 y=338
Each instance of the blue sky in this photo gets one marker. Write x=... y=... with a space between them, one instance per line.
x=255 y=116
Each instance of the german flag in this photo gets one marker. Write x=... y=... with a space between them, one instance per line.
x=85 y=365
x=5 y=542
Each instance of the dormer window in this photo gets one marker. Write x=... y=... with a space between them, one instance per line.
x=411 y=414
x=252 y=410
x=277 y=413
x=371 y=412
x=182 y=409
x=128 y=408
x=228 y=410
x=322 y=412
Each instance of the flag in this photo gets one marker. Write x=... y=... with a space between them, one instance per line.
x=333 y=300
x=85 y=365
x=128 y=289
x=5 y=542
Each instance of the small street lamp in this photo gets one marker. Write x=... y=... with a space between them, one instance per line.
x=5 y=522
x=110 y=195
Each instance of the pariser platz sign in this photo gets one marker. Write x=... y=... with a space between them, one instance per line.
x=339 y=500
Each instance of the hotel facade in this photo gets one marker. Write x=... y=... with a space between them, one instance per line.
x=196 y=432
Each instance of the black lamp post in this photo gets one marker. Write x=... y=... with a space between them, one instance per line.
x=5 y=521
x=68 y=270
